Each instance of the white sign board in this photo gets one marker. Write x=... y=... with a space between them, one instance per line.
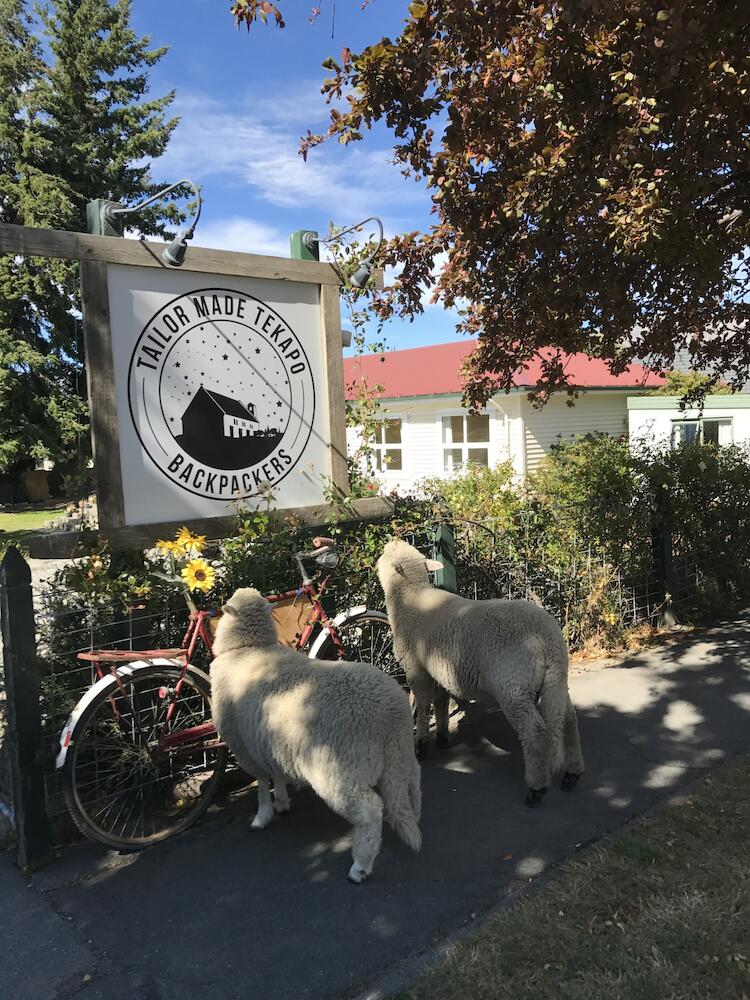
x=221 y=392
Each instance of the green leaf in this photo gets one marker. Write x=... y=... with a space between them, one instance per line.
x=417 y=10
x=662 y=15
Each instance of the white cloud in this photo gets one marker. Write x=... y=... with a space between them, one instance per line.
x=243 y=235
x=253 y=147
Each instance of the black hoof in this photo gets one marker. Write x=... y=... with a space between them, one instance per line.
x=534 y=797
x=569 y=781
x=420 y=749
x=442 y=741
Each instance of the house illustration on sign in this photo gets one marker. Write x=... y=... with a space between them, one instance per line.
x=237 y=419
x=223 y=432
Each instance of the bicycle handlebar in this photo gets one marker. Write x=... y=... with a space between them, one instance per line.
x=321 y=546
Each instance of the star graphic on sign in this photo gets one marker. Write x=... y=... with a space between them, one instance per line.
x=225 y=357
x=177 y=364
x=257 y=350
x=279 y=403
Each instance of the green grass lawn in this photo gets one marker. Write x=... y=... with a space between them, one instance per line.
x=660 y=911
x=16 y=525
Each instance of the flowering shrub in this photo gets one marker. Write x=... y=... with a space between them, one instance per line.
x=585 y=528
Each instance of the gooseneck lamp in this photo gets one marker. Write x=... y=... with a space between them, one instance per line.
x=174 y=253
x=362 y=275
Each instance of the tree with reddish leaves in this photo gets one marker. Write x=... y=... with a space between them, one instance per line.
x=589 y=168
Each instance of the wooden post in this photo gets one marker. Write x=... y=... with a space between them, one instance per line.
x=445 y=552
x=330 y=318
x=102 y=396
x=24 y=719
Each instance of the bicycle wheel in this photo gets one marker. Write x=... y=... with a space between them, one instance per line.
x=122 y=789
x=365 y=637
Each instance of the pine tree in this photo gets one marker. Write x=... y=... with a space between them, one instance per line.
x=83 y=127
x=23 y=367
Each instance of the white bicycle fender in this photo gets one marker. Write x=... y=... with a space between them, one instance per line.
x=345 y=616
x=126 y=670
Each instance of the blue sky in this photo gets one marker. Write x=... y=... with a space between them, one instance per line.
x=245 y=98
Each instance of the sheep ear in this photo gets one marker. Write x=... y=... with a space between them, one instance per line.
x=229 y=610
x=433 y=565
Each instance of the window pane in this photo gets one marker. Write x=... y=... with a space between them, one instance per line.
x=378 y=460
x=453 y=430
x=717 y=431
x=377 y=432
x=684 y=431
x=393 y=432
x=479 y=456
x=452 y=459
x=392 y=459
x=478 y=427
x=711 y=432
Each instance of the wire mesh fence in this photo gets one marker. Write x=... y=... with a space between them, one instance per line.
x=67 y=627
x=582 y=586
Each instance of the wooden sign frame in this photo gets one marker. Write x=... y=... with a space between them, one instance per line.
x=94 y=254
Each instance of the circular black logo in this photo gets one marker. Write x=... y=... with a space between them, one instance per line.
x=221 y=394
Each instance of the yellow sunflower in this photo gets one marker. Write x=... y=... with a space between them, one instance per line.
x=198 y=575
x=170 y=547
x=189 y=543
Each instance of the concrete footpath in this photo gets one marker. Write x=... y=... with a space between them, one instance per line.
x=221 y=913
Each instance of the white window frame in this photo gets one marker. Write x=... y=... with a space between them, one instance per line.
x=378 y=447
x=465 y=445
x=676 y=422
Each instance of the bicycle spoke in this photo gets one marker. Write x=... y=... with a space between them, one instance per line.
x=127 y=787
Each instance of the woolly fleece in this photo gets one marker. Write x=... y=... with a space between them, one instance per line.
x=345 y=729
x=511 y=650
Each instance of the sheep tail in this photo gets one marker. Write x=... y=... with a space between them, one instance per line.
x=553 y=700
x=401 y=792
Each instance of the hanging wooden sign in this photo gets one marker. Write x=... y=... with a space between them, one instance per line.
x=218 y=381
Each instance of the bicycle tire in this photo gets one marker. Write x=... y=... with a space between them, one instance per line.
x=168 y=777
x=367 y=638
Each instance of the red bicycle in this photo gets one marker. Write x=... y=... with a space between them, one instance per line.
x=140 y=757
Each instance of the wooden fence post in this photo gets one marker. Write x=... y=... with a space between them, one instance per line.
x=445 y=551
x=23 y=710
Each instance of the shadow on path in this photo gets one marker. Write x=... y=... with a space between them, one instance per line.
x=221 y=913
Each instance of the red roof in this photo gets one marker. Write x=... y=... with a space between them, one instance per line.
x=435 y=370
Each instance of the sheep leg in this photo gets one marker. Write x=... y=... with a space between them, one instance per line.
x=574 y=765
x=528 y=723
x=364 y=810
x=423 y=687
x=264 y=814
x=281 y=802
x=442 y=700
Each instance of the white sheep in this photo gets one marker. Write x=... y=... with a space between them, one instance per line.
x=345 y=729
x=511 y=650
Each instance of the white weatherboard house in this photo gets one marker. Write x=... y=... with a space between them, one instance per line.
x=658 y=419
x=425 y=431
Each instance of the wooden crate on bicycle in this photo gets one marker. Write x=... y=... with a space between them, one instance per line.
x=290 y=617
